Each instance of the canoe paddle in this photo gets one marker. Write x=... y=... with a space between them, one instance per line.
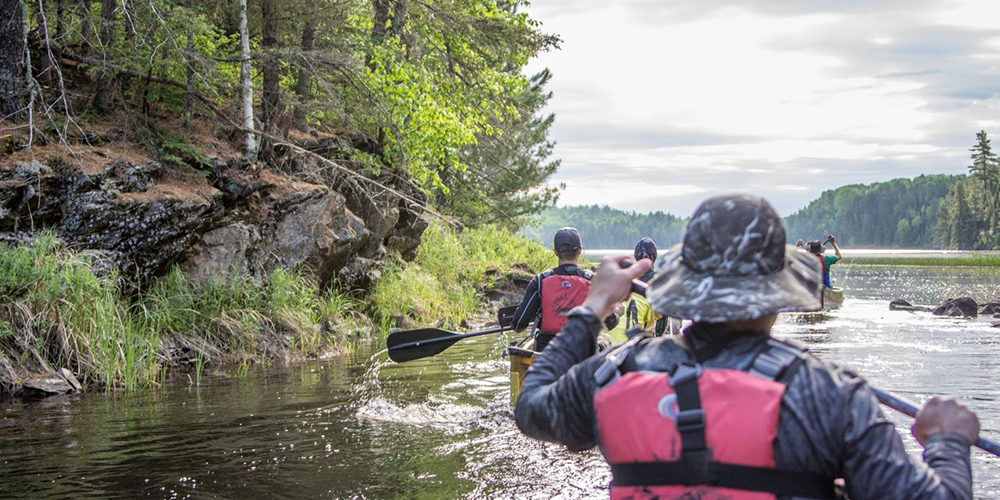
x=408 y=345
x=896 y=403
x=907 y=408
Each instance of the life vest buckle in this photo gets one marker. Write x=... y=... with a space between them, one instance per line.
x=690 y=420
x=608 y=371
x=684 y=373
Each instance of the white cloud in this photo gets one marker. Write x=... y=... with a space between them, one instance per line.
x=785 y=98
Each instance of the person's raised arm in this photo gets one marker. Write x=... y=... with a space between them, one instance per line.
x=836 y=249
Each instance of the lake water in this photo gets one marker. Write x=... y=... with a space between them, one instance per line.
x=439 y=428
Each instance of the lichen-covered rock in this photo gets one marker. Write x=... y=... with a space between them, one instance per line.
x=145 y=218
x=221 y=253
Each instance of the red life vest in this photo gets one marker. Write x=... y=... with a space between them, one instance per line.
x=699 y=433
x=559 y=294
x=822 y=262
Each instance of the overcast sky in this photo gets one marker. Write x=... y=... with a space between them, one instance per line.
x=661 y=103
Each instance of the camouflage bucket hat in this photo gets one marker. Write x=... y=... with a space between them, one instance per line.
x=733 y=265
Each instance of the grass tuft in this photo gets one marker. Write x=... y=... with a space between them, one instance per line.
x=442 y=283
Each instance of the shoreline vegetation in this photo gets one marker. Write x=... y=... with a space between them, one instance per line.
x=971 y=261
x=57 y=310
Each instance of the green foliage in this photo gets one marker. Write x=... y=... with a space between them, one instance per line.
x=603 y=227
x=505 y=179
x=900 y=213
x=176 y=150
x=434 y=84
x=442 y=282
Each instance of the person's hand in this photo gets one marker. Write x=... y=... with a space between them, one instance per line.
x=942 y=414
x=831 y=238
x=612 y=284
x=620 y=308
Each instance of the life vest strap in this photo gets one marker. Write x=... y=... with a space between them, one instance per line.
x=723 y=475
x=611 y=369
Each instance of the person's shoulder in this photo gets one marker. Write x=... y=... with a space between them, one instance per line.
x=658 y=354
x=827 y=378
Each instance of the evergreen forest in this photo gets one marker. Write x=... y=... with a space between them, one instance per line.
x=603 y=227
x=929 y=211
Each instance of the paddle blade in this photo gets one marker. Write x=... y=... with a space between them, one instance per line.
x=505 y=315
x=415 y=344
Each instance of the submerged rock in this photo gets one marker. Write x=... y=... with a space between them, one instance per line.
x=989 y=308
x=902 y=305
x=59 y=382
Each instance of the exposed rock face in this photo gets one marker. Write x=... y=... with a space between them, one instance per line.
x=143 y=219
x=962 y=306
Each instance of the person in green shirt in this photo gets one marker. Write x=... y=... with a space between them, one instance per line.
x=818 y=249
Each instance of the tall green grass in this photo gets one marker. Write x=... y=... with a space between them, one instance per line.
x=443 y=282
x=55 y=312
x=972 y=261
x=60 y=314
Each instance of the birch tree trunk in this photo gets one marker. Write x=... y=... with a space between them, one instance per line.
x=246 y=96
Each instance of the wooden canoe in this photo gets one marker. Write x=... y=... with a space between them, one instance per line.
x=521 y=357
x=833 y=298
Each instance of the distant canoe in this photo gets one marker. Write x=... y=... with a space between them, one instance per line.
x=521 y=358
x=833 y=298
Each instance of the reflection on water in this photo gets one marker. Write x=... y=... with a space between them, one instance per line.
x=363 y=427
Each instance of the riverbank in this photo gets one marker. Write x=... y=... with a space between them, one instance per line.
x=60 y=309
x=969 y=261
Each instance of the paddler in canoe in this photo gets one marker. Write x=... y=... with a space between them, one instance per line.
x=635 y=311
x=555 y=292
x=725 y=410
x=827 y=261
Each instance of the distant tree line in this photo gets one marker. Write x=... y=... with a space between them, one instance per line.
x=603 y=227
x=901 y=213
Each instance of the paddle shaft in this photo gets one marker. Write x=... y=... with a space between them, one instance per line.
x=908 y=408
x=448 y=338
x=896 y=403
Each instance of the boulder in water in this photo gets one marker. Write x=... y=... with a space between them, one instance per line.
x=962 y=306
x=902 y=305
x=989 y=308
